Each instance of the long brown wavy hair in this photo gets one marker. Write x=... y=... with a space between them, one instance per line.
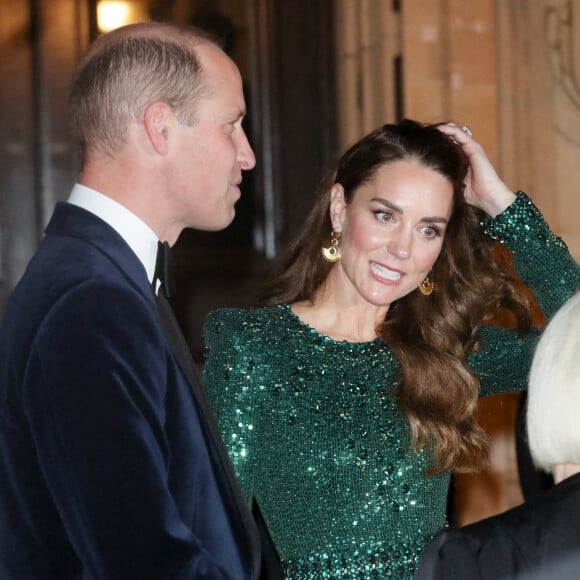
x=431 y=336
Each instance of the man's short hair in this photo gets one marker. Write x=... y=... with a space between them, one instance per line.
x=126 y=70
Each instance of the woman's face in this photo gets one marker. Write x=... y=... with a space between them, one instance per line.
x=392 y=230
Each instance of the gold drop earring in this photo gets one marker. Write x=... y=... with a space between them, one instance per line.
x=332 y=253
x=426 y=287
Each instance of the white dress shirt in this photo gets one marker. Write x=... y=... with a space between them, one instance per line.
x=138 y=235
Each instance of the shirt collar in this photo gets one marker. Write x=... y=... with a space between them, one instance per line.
x=138 y=235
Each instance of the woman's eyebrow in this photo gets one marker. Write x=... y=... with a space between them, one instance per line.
x=399 y=209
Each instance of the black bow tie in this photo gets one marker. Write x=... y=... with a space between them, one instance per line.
x=164 y=270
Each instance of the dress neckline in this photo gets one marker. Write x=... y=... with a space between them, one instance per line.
x=299 y=323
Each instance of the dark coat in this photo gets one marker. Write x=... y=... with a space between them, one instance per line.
x=537 y=540
x=110 y=467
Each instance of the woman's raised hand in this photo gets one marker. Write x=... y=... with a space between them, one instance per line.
x=483 y=187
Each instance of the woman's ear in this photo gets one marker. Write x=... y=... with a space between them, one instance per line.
x=157 y=119
x=337 y=207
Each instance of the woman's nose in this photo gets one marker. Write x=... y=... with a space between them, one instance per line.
x=400 y=248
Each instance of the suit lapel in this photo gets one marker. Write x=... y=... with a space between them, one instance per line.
x=222 y=462
x=73 y=221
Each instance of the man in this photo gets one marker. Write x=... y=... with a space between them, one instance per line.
x=111 y=465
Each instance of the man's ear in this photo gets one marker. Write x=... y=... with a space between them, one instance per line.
x=337 y=207
x=157 y=119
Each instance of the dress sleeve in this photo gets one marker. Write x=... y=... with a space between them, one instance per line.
x=229 y=381
x=542 y=260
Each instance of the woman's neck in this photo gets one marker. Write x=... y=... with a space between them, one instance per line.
x=341 y=319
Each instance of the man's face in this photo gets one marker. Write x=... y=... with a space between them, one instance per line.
x=211 y=155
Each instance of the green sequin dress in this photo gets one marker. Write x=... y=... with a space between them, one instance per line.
x=315 y=435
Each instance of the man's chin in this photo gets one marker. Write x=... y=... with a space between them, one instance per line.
x=227 y=222
x=216 y=226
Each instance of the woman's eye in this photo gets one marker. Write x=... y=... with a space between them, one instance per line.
x=431 y=232
x=384 y=216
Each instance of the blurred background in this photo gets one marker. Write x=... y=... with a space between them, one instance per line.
x=318 y=74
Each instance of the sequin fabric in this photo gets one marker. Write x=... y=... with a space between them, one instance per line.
x=315 y=435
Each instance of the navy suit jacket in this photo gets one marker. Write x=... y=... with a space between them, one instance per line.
x=539 y=540
x=110 y=466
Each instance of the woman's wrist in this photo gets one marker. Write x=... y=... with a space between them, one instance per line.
x=501 y=201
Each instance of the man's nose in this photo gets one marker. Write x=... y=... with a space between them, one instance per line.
x=246 y=155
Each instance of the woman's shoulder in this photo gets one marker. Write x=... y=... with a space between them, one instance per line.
x=242 y=321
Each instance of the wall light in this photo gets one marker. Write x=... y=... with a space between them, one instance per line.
x=113 y=14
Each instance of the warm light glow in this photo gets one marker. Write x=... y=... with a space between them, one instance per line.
x=113 y=14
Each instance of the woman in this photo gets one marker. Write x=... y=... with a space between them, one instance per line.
x=540 y=538
x=346 y=402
